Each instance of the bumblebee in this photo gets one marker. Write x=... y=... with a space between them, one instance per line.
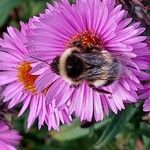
x=94 y=65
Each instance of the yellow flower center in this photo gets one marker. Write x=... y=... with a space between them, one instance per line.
x=26 y=78
x=87 y=40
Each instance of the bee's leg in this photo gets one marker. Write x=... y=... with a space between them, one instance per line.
x=76 y=86
x=87 y=124
x=99 y=90
x=102 y=91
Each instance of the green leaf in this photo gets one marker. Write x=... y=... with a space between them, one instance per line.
x=6 y=7
x=117 y=123
x=146 y=141
x=145 y=129
x=74 y=131
x=69 y=132
x=132 y=143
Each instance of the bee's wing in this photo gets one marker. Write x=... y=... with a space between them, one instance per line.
x=92 y=65
x=97 y=67
x=91 y=59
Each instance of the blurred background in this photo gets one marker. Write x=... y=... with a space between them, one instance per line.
x=130 y=130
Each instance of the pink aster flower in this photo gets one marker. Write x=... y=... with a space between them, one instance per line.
x=148 y=41
x=145 y=93
x=92 y=22
x=146 y=96
x=9 y=138
x=19 y=82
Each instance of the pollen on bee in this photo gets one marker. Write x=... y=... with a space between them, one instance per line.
x=87 y=39
x=26 y=78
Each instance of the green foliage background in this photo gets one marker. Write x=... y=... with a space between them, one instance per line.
x=126 y=131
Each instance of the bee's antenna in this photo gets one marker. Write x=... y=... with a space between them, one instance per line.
x=40 y=60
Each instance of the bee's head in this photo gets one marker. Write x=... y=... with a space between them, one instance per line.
x=55 y=65
x=68 y=65
x=74 y=66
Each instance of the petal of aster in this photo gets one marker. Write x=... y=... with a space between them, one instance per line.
x=37 y=68
x=33 y=110
x=55 y=120
x=7 y=66
x=43 y=85
x=55 y=89
x=7 y=79
x=3 y=126
x=118 y=101
x=125 y=84
x=124 y=23
x=26 y=103
x=52 y=119
x=111 y=103
x=110 y=3
x=74 y=17
x=143 y=95
x=10 y=137
x=142 y=51
x=98 y=109
x=125 y=34
x=47 y=78
x=135 y=40
x=74 y=100
x=39 y=108
x=63 y=98
x=140 y=31
x=97 y=16
x=9 y=88
x=103 y=19
x=15 y=100
x=80 y=100
x=14 y=53
x=120 y=15
x=105 y=104
x=88 y=114
x=16 y=40
x=15 y=91
x=136 y=24
x=126 y=95
x=57 y=29
x=42 y=113
x=64 y=116
x=6 y=146
x=7 y=57
x=133 y=85
x=146 y=106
